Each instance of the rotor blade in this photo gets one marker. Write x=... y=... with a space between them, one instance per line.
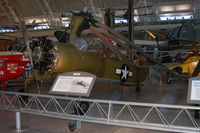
x=154 y=35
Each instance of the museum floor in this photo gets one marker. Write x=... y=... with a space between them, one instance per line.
x=175 y=93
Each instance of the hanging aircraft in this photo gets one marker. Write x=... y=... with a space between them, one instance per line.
x=182 y=43
x=179 y=38
x=178 y=41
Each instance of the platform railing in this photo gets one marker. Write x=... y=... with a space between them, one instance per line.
x=172 y=118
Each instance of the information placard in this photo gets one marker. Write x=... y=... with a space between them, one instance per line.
x=194 y=90
x=74 y=83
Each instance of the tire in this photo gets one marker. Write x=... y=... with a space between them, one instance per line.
x=178 y=70
x=169 y=81
x=72 y=127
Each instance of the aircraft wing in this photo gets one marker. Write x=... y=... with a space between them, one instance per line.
x=148 y=43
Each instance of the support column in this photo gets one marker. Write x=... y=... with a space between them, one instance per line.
x=110 y=112
x=130 y=20
x=109 y=17
x=78 y=124
x=92 y=6
x=18 y=120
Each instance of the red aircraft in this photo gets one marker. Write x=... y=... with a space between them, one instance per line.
x=12 y=65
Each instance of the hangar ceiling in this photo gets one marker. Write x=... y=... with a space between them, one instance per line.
x=51 y=10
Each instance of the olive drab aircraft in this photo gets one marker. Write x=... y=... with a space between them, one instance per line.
x=70 y=53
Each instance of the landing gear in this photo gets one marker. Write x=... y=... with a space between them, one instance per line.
x=177 y=70
x=23 y=97
x=72 y=126
x=81 y=107
x=137 y=89
x=169 y=78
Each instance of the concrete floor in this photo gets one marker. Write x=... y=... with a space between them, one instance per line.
x=166 y=94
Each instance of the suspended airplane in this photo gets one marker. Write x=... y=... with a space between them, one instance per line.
x=177 y=38
x=183 y=40
x=178 y=41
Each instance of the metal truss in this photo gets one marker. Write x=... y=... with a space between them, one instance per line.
x=96 y=11
x=146 y=11
x=51 y=18
x=7 y=7
x=172 y=118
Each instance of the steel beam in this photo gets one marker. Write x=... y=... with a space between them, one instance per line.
x=130 y=20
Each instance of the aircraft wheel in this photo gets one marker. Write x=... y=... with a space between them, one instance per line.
x=72 y=126
x=169 y=78
x=178 y=70
x=83 y=108
x=137 y=89
x=169 y=81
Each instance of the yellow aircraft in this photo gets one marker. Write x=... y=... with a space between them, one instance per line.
x=188 y=67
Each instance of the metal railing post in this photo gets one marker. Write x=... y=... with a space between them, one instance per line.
x=78 y=124
x=110 y=113
x=18 y=120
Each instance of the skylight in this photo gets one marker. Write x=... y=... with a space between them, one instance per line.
x=182 y=17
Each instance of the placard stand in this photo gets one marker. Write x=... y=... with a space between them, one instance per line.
x=73 y=83
x=194 y=90
x=194 y=93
